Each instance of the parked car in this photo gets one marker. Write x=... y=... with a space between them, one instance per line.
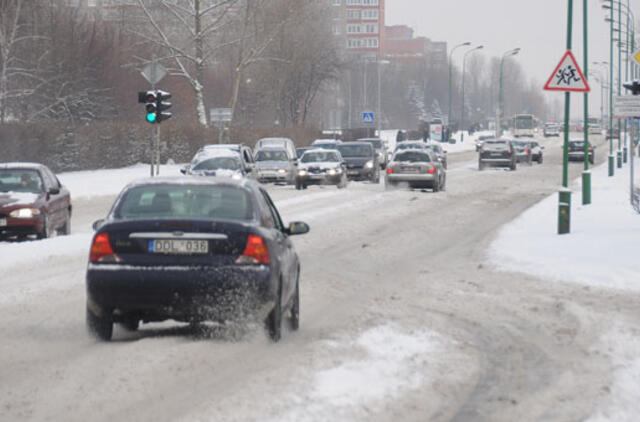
x=218 y=163
x=576 y=151
x=551 y=129
x=321 y=167
x=326 y=143
x=440 y=153
x=32 y=202
x=378 y=145
x=416 y=168
x=361 y=161
x=275 y=165
x=497 y=153
x=523 y=151
x=243 y=151
x=536 y=151
x=287 y=144
x=192 y=249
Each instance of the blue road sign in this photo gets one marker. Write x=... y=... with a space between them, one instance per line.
x=368 y=118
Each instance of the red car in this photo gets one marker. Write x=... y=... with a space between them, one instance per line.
x=32 y=202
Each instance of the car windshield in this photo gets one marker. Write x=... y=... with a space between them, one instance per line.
x=435 y=148
x=185 y=201
x=355 y=150
x=279 y=155
x=377 y=144
x=412 y=157
x=218 y=163
x=325 y=145
x=520 y=144
x=320 y=157
x=20 y=180
x=300 y=151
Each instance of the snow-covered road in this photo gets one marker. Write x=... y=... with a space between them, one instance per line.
x=402 y=318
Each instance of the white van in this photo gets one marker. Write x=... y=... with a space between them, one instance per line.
x=285 y=143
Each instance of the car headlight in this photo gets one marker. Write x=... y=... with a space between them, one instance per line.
x=369 y=164
x=24 y=213
x=332 y=172
x=237 y=176
x=282 y=171
x=302 y=173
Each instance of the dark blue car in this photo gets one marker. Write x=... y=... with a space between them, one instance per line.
x=192 y=249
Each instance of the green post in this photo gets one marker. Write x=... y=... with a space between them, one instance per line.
x=586 y=174
x=610 y=159
x=564 y=203
x=619 y=152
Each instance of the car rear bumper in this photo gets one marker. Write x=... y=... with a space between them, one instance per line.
x=411 y=178
x=497 y=161
x=360 y=173
x=181 y=293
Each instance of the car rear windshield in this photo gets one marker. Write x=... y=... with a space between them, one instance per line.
x=218 y=163
x=355 y=150
x=410 y=145
x=320 y=157
x=20 y=180
x=326 y=145
x=376 y=143
x=185 y=201
x=497 y=145
x=263 y=155
x=519 y=143
x=576 y=144
x=412 y=157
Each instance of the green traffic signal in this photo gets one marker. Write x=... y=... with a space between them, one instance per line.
x=151 y=117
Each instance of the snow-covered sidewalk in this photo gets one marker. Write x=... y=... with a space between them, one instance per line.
x=601 y=249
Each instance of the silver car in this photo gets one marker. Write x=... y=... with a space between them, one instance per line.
x=417 y=168
x=273 y=165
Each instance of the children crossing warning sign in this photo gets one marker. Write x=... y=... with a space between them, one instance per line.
x=568 y=76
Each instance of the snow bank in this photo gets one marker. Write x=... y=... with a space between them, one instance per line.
x=600 y=251
x=385 y=362
x=623 y=346
x=91 y=183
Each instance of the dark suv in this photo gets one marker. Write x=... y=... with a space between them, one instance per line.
x=576 y=151
x=497 y=153
x=361 y=161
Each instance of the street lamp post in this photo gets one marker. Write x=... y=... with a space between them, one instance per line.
x=464 y=44
x=500 y=91
x=464 y=62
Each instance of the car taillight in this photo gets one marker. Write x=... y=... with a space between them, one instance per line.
x=526 y=150
x=101 y=250
x=590 y=149
x=389 y=170
x=255 y=252
x=431 y=170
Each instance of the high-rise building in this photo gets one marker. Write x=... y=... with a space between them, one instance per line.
x=360 y=24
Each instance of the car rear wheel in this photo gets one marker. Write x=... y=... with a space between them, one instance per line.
x=274 y=320
x=131 y=324
x=480 y=165
x=66 y=228
x=436 y=185
x=298 y=185
x=513 y=167
x=540 y=159
x=100 y=327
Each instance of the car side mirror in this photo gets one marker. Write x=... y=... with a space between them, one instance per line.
x=541 y=147
x=184 y=169
x=297 y=227
x=53 y=191
x=97 y=224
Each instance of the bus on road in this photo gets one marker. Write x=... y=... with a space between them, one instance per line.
x=524 y=125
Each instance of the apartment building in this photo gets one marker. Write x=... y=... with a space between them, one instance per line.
x=360 y=25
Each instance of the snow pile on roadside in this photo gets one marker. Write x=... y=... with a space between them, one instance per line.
x=600 y=251
x=387 y=362
x=91 y=183
x=16 y=253
x=623 y=347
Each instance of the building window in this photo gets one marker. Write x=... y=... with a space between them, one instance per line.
x=353 y=14
x=336 y=2
x=370 y=14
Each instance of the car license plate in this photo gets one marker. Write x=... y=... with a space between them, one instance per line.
x=3 y=222
x=353 y=172
x=175 y=246
x=410 y=170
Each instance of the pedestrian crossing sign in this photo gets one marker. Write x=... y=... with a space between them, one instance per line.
x=568 y=76
x=368 y=118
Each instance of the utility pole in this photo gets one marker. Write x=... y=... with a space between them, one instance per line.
x=586 y=174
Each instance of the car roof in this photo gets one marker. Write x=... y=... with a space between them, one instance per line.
x=272 y=148
x=327 y=141
x=369 y=139
x=19 y=165
x=346 y=144
x=192 y=180
x=275 y=138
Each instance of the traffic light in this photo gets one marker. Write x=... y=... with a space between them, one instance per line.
x=155 y=105
x=633 y=86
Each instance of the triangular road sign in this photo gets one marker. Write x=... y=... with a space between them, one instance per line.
x=636 y=56
x=568 y=76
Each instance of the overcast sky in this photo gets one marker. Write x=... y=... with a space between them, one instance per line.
x=538 y=27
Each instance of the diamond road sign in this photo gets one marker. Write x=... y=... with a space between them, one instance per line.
x=154 y=72
x=626 y=106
